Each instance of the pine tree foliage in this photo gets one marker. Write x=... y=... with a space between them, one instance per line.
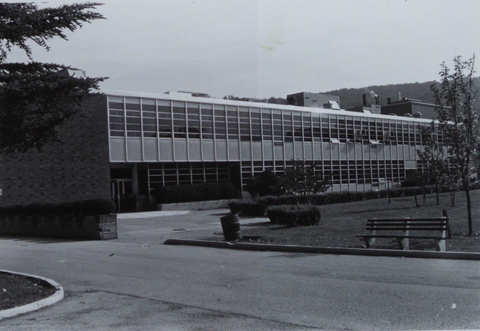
x=35 y=98
x=21 y=22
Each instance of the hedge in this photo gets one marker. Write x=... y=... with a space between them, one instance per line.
x=196 y=192
x=85 y=207
x=294 y=215
x=325 y=199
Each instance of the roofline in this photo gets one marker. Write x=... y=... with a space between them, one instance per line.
x=187 y=98
x=417 y=102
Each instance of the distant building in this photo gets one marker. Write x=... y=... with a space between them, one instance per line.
x=316 y=100
x=373 y=108
x=410 y=107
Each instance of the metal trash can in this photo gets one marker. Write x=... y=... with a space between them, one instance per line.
x=231 y=227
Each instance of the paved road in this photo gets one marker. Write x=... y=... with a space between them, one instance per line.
x=136 y=283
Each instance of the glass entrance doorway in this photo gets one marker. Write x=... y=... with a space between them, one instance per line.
x=120 y=190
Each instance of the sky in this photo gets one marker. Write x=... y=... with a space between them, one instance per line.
x=266 y=48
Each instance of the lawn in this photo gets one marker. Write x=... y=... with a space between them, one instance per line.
x=340 y=223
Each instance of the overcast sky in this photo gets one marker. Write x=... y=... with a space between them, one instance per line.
x=265 y=48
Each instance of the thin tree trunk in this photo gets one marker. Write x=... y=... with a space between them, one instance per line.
x=469 y=211
x=437 y=190
x=452 y=198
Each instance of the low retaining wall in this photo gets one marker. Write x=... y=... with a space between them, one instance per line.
x=197 y=205
x=98 y=227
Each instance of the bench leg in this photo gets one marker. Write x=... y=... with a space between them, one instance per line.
x=440 y=245
x=404 y=243
x=369 y=242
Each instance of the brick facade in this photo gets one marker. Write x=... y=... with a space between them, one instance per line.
x=75 y=168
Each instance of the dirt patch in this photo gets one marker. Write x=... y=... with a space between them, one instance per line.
x=17 y=290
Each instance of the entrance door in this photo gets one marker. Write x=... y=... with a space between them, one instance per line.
x=120 y=189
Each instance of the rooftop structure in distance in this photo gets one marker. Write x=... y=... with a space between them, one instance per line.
x=129 y=144
x=373 y=108
x=410 y=107
x=317 y=100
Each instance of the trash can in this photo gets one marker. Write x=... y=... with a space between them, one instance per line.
x=231 y=227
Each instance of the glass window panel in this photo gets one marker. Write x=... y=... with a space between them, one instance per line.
x=115 y=105
x=114 y=119
x=117 y=126
x=133 y=113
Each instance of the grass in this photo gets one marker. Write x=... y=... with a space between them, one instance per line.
x=341 y=223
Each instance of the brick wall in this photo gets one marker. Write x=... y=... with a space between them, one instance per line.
x=76 y=168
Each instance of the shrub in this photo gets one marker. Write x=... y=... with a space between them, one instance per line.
x=85 y=207
x=247 y=208
x=196 y=192
x=294 y=215
x=97 y=207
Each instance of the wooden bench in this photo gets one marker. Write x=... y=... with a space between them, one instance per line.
x=403 y=229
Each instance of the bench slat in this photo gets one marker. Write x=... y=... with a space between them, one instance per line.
x=408 y=219
x=411 y=228
x=400 y=236
x=405 y=224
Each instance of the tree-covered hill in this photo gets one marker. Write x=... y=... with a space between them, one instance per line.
x=352 y=97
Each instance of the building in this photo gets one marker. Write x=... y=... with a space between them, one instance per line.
x=410 y=107
x=128 y=144
x=373 y=108
x=316 y=100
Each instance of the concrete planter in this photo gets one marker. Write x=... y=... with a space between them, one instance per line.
x=98 y=227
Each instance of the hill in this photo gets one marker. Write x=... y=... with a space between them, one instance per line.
x=352 y=97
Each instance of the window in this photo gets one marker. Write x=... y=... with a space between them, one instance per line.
x=317 y=132
x=179 y=120
x=207 y=121
x=193 y=113
x=220 y=122
x=232 y=123
x=244 y=124
x=297 y=126
x=164 y=119
x=277 y=126
x=287 y=126
x=149 y=118
x=116 y=116
x=256 y=124
x=134 y=125
x=267 y=125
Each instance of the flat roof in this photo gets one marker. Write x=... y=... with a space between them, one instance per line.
x=189 y=98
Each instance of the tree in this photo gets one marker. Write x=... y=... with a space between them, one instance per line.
x=303 y=180
x=433 y=160
x=264 y=184
x=36 y=98
x=455 y=96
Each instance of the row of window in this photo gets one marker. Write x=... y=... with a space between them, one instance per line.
x=175 y=119
x=167 y=174
x=339 y=172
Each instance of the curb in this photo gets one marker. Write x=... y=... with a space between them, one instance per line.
x=325 y=250
x=54 y=298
